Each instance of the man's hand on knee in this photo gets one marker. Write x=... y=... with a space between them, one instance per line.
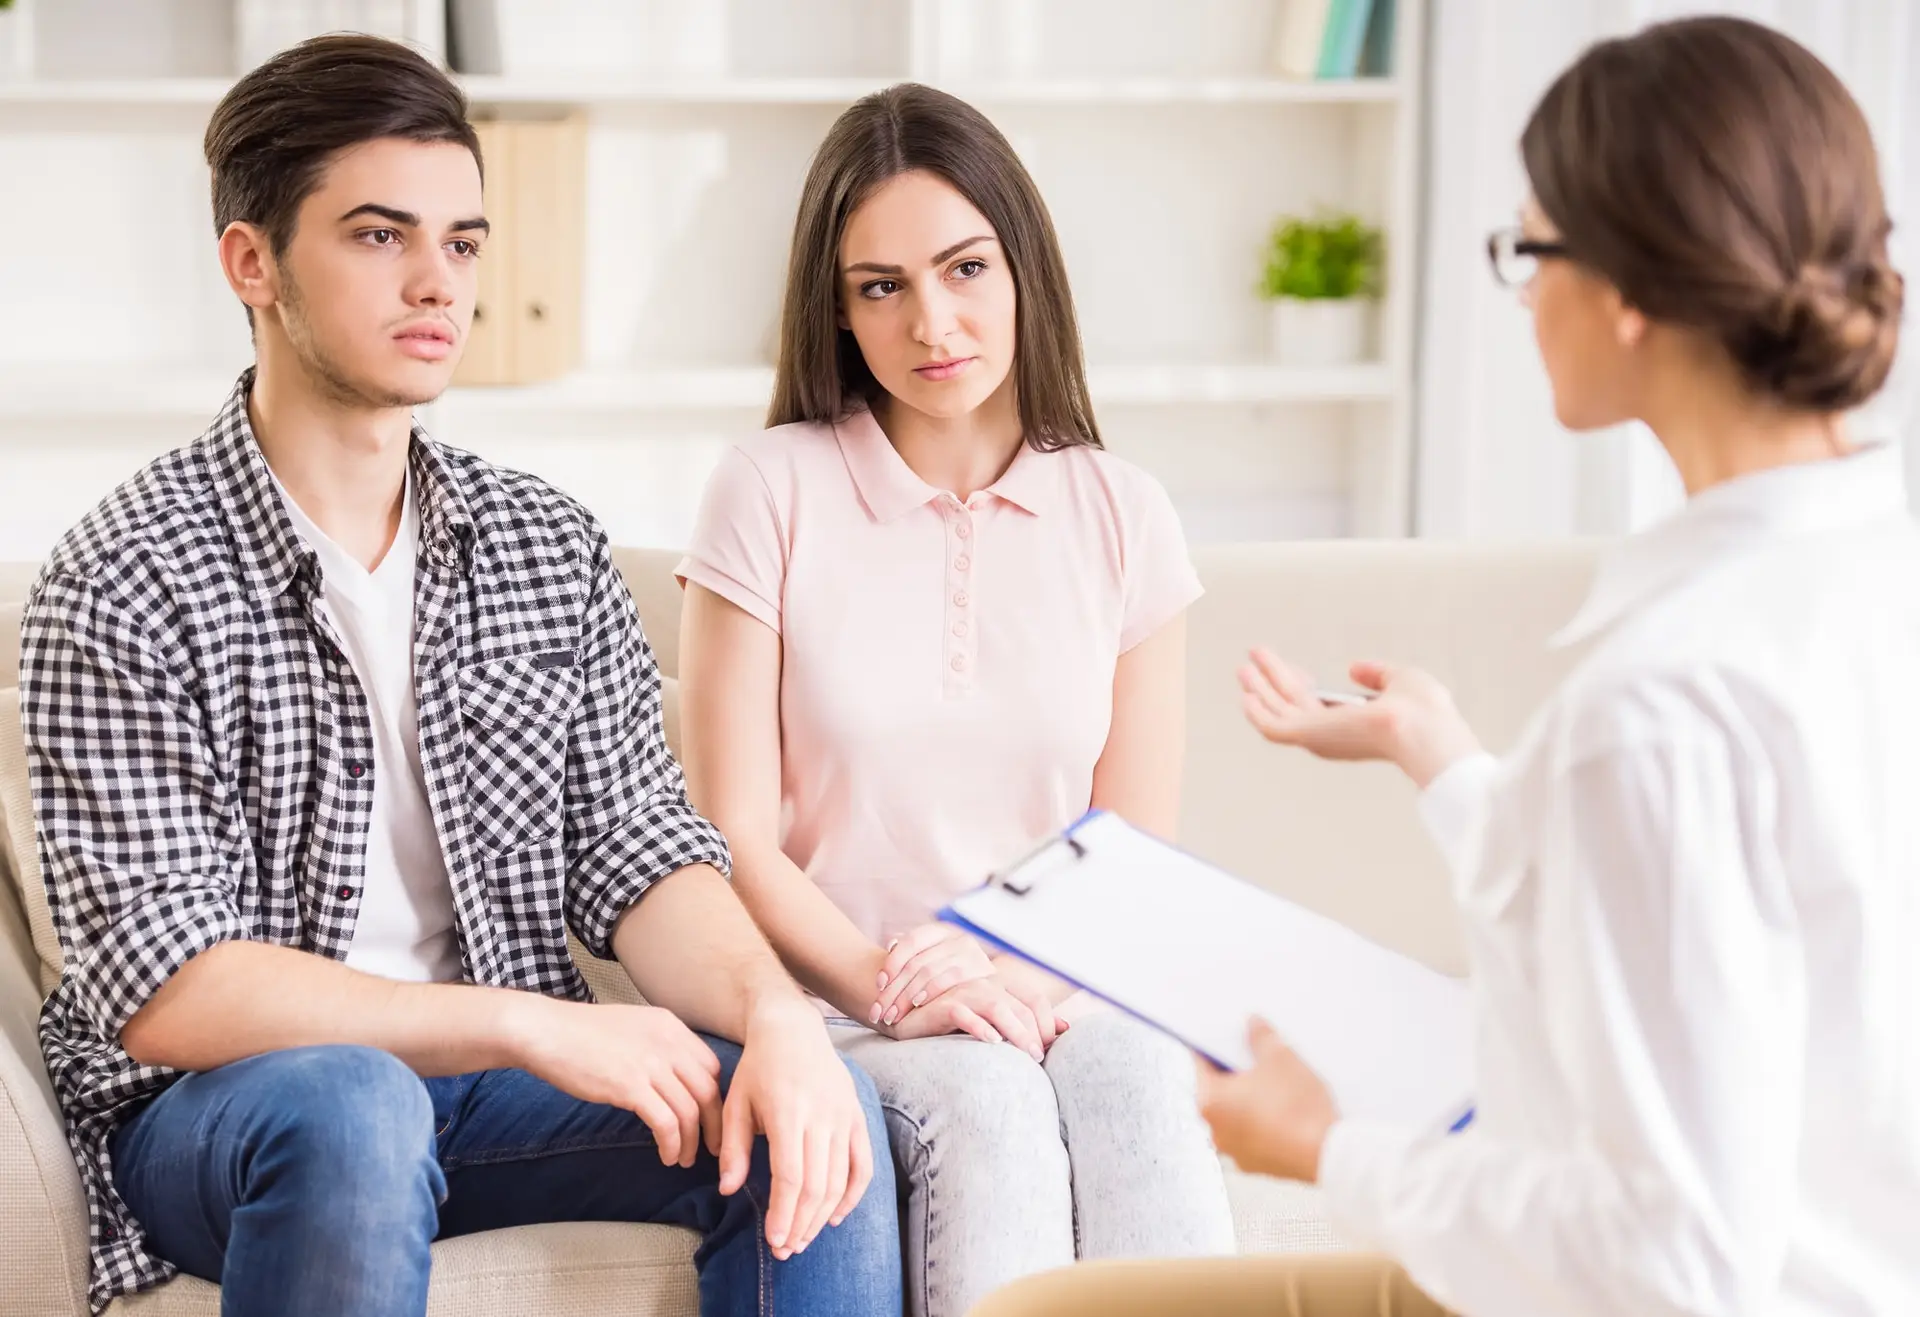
x=792 y=1086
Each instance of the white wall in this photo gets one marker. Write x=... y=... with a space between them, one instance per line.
x=118 y=338
x=1492 y=461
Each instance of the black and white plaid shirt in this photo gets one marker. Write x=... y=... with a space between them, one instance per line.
x=202 y=765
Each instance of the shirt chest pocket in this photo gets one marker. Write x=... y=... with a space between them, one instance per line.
x=517 y=715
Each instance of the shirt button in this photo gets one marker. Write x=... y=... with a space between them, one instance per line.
x=346 y=893
x=356 y=769
x=962 y=563
x=959 y=628
x=960 y=600
x=959 y=662
x=963 y=531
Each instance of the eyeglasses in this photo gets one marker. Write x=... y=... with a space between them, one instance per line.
x=1516 y=258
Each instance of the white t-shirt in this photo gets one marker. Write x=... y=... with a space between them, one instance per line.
x=405 y=928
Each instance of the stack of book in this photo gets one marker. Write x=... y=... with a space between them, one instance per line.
x=1334 y=39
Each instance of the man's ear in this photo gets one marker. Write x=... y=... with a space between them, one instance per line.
x=246 y=258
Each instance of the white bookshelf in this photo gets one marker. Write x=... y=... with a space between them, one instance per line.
x=1164 y=147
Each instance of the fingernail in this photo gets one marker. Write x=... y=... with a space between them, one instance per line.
x=883 y=980
x=920 y=999
x=893 y=1015
x=778 y=1241
x=891 y=945
x=873 y=1016
x=836 y=1220
x=1037 y=1054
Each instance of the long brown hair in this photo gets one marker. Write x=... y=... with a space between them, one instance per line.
x=821 y=375
x=1721 y=177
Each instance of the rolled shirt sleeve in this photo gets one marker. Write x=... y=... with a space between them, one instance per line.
x=738 y=550
x=628 y=820
x=126 y=801
x=1159 y=582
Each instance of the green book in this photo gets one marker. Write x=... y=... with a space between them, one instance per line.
x=1346 y=33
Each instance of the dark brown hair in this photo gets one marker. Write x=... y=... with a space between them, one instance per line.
x=1721 y=177
x=273 y=135
x=822 y=375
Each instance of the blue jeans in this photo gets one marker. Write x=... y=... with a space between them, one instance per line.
x=312 y=1181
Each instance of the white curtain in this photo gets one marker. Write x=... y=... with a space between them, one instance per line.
x=1492 y=461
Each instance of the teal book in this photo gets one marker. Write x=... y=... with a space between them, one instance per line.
x=1376 y=56
x=1346 y=33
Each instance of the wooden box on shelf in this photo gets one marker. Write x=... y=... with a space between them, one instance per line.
x=526 y=320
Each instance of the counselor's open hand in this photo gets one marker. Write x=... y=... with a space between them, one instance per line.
x=1411 y=722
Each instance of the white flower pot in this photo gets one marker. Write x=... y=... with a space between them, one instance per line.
x=1329 y=331
x=16 y=41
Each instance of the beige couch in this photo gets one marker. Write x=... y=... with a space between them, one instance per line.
x=1343 y=839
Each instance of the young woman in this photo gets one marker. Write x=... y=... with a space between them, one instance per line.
x=1692 y=892
x=929 y=620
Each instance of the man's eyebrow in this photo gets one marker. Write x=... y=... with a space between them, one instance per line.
x=390 y=213
x=946 y=255
x=407 y=219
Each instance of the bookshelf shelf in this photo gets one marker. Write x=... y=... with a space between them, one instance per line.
x=594 y=92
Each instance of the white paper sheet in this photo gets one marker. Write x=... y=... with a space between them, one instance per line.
x=1198 y=953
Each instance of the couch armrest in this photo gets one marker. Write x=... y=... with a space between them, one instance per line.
x=43 y=1209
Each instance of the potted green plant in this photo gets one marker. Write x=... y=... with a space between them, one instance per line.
x=16 y=39
x=1322 y=276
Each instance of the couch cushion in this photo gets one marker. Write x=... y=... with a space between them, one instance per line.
x=591 y=1269
x=656 y=596
x=16 y=832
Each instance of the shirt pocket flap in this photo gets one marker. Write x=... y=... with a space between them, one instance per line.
x=520 y=689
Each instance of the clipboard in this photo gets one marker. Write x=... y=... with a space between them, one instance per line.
x=1196 y=953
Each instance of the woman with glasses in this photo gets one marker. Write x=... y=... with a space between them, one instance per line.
x=1691 y=892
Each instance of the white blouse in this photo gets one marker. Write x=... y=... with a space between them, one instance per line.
x=1692 y=902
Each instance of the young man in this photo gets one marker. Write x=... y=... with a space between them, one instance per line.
x=333 y=734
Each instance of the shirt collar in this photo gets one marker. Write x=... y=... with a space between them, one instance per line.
x=1734 y=517
x=273 y=556
x=890 y=489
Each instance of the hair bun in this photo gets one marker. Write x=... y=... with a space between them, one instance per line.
x=1827 y=339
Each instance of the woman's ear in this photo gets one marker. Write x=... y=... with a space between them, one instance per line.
x=1629 y=321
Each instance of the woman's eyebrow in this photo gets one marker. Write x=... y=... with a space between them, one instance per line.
x=958 y=247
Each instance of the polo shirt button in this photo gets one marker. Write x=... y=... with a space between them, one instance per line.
x=962 y=563
x=356 y=769
x=959 y=662
x=959 y=628
x=346 y=893
x=963 y=531
x=960 y=600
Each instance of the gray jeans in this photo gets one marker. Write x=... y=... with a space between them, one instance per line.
x=1007 y=1168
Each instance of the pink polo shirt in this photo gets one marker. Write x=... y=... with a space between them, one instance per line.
x=947 y=682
